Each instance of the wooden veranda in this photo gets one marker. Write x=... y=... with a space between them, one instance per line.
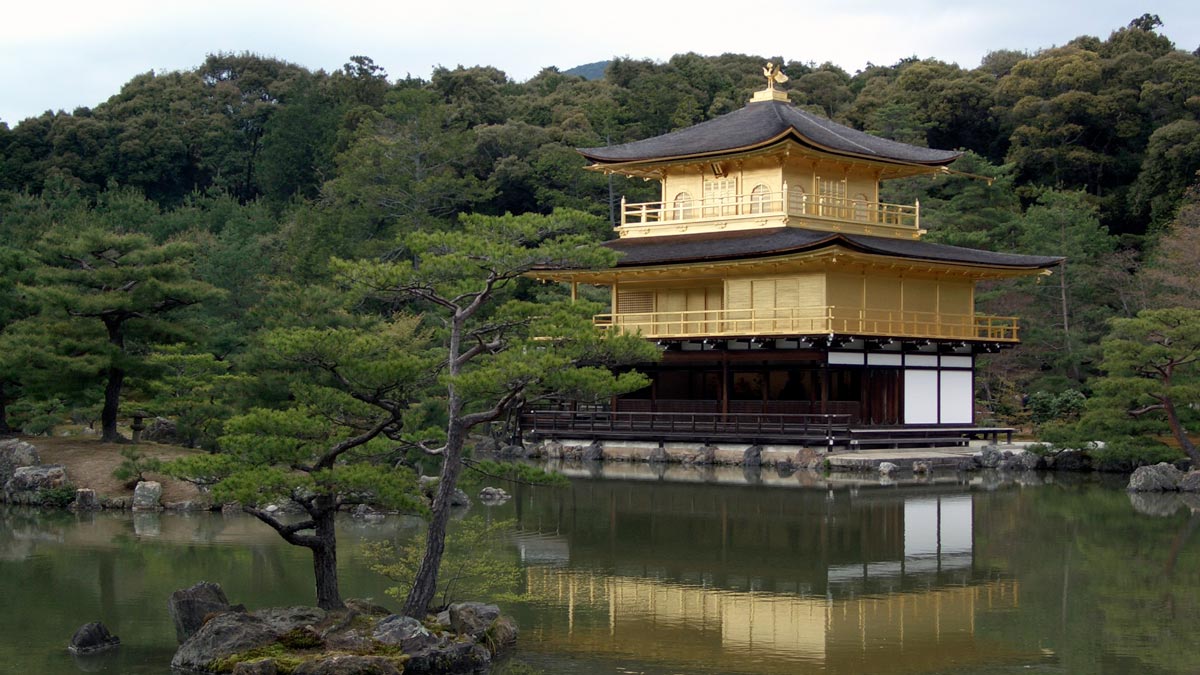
x=830 y=431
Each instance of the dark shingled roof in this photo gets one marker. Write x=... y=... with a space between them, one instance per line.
x=641 y=251
x=762 y=123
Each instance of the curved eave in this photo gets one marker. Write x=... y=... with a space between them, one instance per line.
x=825 y=247
x=633 y=165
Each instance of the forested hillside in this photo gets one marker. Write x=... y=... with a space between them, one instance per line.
x=236 y=183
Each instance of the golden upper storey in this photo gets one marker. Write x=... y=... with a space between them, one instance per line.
x=769 y=164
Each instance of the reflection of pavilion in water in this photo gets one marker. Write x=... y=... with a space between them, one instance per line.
x=764 y=580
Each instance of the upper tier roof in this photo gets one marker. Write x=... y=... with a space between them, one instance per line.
x=763 y=123
x=678 y=249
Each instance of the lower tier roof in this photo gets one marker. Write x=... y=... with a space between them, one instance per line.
x=714 y=247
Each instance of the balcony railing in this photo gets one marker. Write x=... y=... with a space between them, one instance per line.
x=794 y=203
x=820 y=320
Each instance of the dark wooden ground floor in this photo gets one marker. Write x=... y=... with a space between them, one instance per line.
x=845 y=395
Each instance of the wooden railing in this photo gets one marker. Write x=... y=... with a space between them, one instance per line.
x=794 y=203
x=824 y=429
x=818 y=320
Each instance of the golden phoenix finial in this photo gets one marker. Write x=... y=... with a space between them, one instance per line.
x=774 y=75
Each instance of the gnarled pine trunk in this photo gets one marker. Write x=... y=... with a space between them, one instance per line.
x=324 y=552
x=424 y=586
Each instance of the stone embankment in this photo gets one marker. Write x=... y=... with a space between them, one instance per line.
x=788 y=459
x=729 y=454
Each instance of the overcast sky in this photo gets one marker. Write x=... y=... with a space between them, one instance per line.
x=61 y=55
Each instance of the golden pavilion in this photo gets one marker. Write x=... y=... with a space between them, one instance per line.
x=790 y=302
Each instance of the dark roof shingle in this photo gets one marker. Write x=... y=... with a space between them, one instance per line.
x=761 y=123
x=642 y=251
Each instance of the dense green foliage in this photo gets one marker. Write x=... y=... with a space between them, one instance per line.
x=184 y=248
x=269 y=169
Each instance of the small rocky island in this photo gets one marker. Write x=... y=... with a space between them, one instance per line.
x=362 y=639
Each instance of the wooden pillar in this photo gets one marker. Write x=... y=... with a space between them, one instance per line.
x=653 y=390
x=724 y=384
x=825 y=384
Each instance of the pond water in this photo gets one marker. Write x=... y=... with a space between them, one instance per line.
x=633 y=570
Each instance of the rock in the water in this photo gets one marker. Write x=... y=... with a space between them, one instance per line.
x=92 y=638
x=1031 y=461
x=1011 y=464
x=85 y=500
x=1072 y=460
x=549 y=449
x=411 y=635
x=350 y=665
x=752 y=456
x=785 y=467
x=366 y=512
x=223 y=635
x=887 y=468
x=259 y=667
x=459 y=498
x=189 y=606
x=658 y=455
x=1161 y=477
x=502 y=634
x=472 y=618
x=991 y=457
x=14 y=454
x=920 y=467
x=513 y=452
x=1190 y=482
x=448 y=657
x=593 y=452
x=706 y=455
x=493 y=495
x=146 y=496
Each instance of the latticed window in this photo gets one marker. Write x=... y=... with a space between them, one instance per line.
x=831 y=196
x=831 y=188
x=635 y=301
x=760 y=199
x=682 y=208
x=720 y=196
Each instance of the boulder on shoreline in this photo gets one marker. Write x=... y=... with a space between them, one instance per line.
x=147 y=496
x=29 y=482
x=1161 y=477
x=15 y=453
x=187 y=607
x=222 y=636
